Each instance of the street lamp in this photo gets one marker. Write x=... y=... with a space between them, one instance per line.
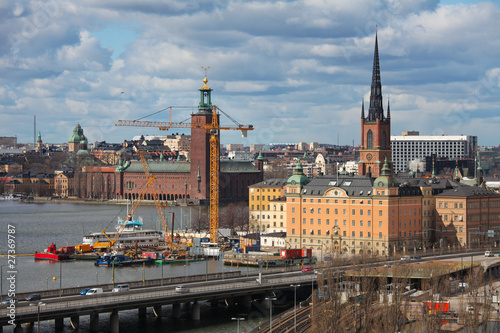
x=270 y=300
x=238 y=320
x=295 y=305
x=38 y=314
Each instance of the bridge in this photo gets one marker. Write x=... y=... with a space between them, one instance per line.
x=232 y=289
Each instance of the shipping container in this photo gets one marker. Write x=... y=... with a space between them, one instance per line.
x=151 y=255
x=83 y=248
x=68 y=249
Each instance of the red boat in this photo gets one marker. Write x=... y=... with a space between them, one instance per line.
x=52 y=254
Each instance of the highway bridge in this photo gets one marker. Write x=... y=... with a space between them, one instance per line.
x=240 y=289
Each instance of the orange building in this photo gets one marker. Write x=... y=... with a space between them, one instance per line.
x=354 y=214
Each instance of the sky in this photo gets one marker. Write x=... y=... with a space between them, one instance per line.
x=297 y=70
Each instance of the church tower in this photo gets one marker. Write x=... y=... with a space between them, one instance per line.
x=375 y=128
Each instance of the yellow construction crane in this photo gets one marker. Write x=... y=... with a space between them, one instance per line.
x=213 y=129
x=147 y=187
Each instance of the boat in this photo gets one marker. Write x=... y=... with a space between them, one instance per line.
x=132 y=235
x=51 y=253
x=119 y=259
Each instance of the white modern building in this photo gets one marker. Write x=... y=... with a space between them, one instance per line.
x=406 y=148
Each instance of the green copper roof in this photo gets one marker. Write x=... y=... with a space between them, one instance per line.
x=385 y=179
x=298 y=177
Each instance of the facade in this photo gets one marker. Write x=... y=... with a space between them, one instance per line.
x=406 y=148
x=354 y=214
x=64 y=184
x=375 y=128
x=467 y=216
x=267 y=212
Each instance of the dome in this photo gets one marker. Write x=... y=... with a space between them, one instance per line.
x=298 y=177
x=77 y=135
x=385 y=179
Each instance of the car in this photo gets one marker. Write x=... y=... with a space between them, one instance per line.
x=120 y=288
x=94 y=291
x=416 y=258
x=405 y=258
x=181 y=289
x=470 y=309
x=489 y=254
x=8 y=301
x=84 y=291
x=307 y=269
x=34 y=297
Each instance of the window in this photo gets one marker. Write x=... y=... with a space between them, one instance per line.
x=328 y=211
x=319 y=210
x=336 y=211
x=293 y=210
x=369 y=212
x=379 y=235
x=345 y=233
x=361 y=234
x=303 y=231
x=353 y=234
x=353 y=223
x=369 y=140
x=327 y=221
x=312 y=221
x=336 y=223
x=360 y=212
x=345 y=223
x=353 y=212
x=304 y=210
x=319 y=221
x=379 y=213
x=369 y=234
x=345 y=211
x=369 y=223
x=319 y=232
x=361 y=223
x=293 y=220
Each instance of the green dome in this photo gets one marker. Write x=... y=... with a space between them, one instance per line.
x=298 y=177
x=77 y=136
x=385 y=179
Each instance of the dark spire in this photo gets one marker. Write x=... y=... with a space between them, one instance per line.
x=388 y=109
x=376 y=110
x=362 y=109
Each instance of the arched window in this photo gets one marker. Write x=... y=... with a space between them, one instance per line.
x=384 y=146
x=369 y=140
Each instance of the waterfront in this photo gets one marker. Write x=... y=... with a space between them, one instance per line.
x=37 y=225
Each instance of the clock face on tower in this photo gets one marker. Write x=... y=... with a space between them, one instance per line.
x=369 y=157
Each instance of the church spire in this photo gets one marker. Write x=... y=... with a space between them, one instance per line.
x=376 y=110
x=362 y=109
x=388 y=109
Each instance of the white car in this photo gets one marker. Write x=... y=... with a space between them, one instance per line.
x=181 y=289
x=489 y=254
x=120 y=288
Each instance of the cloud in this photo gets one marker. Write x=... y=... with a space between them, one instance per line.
x=296 y=69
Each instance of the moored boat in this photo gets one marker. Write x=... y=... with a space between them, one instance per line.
x=132 y=234
x=51 y=253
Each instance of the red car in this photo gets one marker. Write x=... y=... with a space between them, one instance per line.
x=308 y=269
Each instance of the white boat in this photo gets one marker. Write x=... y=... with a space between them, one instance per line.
x=132 y=234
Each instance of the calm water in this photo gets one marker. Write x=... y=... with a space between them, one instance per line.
x=37 y=225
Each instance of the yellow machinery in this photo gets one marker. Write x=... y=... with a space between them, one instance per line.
x=213 y=130
x=149 y=186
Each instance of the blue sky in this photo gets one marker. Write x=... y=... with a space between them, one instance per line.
x=296 y=70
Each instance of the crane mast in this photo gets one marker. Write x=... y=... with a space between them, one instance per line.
x=212 y=129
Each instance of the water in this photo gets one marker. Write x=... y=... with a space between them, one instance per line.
x=38 y=225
